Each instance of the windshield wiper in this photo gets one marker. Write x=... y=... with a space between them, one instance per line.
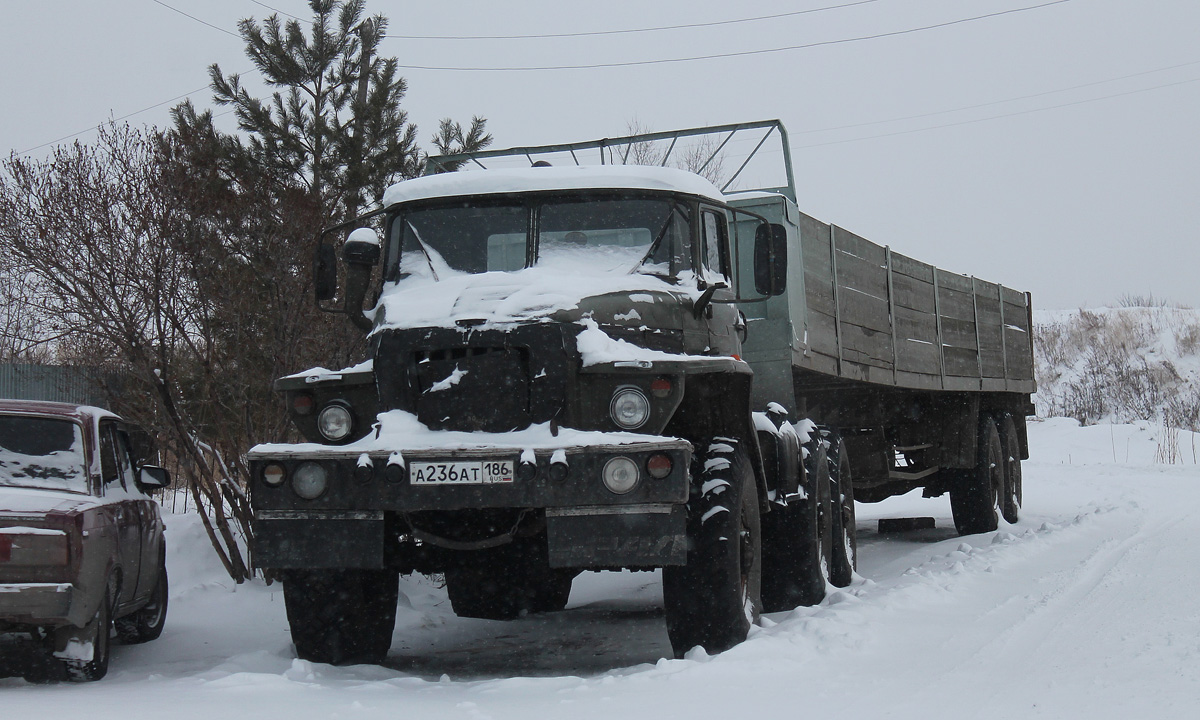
x=424 y=250
x=662 y=233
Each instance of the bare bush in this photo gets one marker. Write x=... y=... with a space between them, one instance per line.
x=1121 y=365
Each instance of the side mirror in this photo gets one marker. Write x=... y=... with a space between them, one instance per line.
x=325 y=272
x=153 y=477
x=362 y=247
x=770 y=259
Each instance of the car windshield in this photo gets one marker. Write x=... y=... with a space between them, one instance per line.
x=42 y=453
x=576 y=235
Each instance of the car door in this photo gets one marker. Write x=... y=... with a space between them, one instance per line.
x=116 y=470
x=148 y=516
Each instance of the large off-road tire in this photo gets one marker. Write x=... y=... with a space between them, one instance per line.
x=84 y=652
x=794 y=542
x=507 y=582
x=341 y=616
x=713 y=599
x=147 y=623
x=975 y=495
x=844 y=550
x=1010 y=444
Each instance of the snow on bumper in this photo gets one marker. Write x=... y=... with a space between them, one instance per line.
x=609 y=499
x=35 y=603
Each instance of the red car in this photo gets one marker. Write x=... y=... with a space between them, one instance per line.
x=82 y=556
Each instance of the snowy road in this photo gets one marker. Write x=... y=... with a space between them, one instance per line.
x=1089 y=607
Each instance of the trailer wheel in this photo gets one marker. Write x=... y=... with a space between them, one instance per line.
x=507 y=582
x=341 y=616
x=795 y=543
x=713 y=599
x=975 y=497
x=845 y=536
x=1010 y=501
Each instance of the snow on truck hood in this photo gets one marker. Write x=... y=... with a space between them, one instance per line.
x=516 y=180
x=504 y=297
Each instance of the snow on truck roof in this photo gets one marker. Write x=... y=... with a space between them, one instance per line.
x=571 y=177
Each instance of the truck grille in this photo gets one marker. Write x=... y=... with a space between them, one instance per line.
x=473 y=388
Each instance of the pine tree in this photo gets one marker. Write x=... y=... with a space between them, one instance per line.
x=334 y=125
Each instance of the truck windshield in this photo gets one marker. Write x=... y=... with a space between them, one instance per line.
x=41 y=453
x=577 y=235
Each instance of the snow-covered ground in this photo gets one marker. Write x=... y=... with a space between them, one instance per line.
x=1087 y=608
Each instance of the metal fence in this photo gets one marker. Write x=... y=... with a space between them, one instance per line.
x=60 y=383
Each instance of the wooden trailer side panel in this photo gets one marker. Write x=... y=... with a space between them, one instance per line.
x=875 y=315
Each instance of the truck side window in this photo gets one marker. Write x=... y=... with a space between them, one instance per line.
x=716 y=265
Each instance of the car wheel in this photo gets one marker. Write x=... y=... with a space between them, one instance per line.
x=84 y=652
x=147 y=623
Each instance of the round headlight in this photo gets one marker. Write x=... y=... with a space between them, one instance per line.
x=273 y=474
x=335 y=422
x=629 y=408
x=310 y=481
x=620 y=475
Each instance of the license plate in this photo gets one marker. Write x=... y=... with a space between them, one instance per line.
x=461 y=473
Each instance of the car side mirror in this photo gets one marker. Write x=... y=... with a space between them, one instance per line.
x=770 y=259
x=153 y=477
x=325 y=272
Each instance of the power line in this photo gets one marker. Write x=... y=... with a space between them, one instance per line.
x=1000 y=102
x=277 y=10
x=742 y=53
x=202 y=22
x=626 y=31
x=998 y=117
x=119 y=119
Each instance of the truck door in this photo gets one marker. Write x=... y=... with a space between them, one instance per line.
x=716 y=268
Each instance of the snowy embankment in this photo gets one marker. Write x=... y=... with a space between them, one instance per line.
x=1085 y=608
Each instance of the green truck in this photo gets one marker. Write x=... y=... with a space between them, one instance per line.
x=580 y=367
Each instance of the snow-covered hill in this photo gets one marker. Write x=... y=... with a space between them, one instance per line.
x=1086 y=608
x=1119 y=365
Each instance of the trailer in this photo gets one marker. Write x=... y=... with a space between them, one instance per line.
x=586 y=364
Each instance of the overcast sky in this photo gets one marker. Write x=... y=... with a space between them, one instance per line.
x=1053 y=149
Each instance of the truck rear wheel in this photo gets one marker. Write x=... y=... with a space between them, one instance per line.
x=507 y=582
x=713 y=599
x=341 y=616
x=975 y=495
x=795 y=543
x=844 y=553
x=1010 y=501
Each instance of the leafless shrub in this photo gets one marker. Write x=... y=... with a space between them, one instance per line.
x=1108 y=365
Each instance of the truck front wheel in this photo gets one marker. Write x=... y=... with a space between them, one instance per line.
x=341 y=616
x=712 y=600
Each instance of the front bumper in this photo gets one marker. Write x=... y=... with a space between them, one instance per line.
x=362 y=511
